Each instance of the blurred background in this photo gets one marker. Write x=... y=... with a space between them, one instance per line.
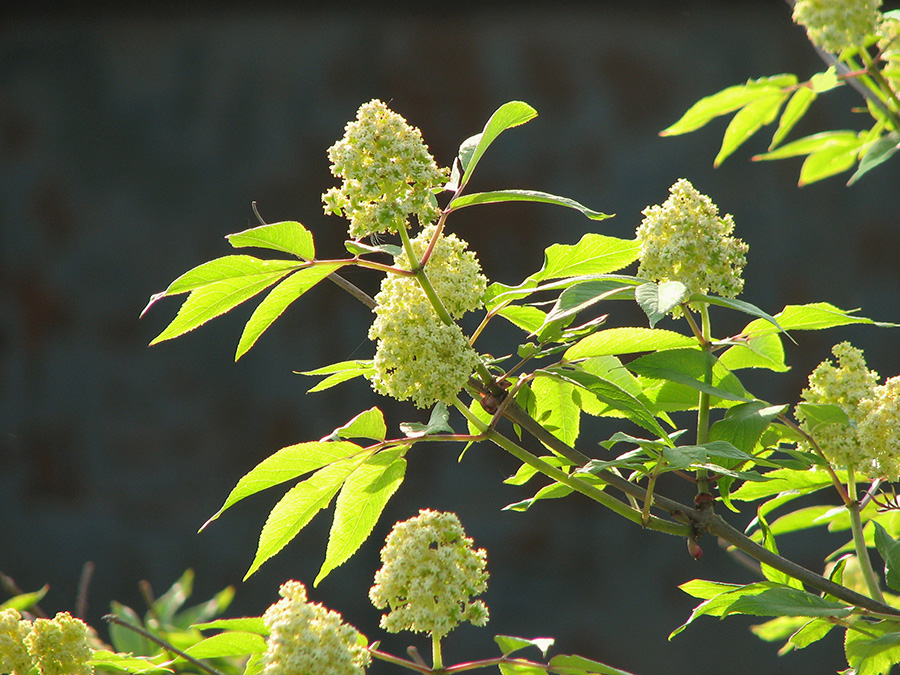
x=132 y=141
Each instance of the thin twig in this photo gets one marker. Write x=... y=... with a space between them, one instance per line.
x=81 y=603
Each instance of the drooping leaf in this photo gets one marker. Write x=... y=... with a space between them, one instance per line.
x=524 y=196
x=748 y=120
x=593 y=254
x=227 y=643
x=508 y=115
x=583 y=296
x=340 y=372
x=363 y=497
x=566 y=664
x=278 y=300
x=217 y=287
x=368 y=424
x=796 y=107
x=627 y=341
x=286 y=464
x=716 y=604
x=880 y=151
x=728 y=100
x=658 y=299
x=889 y=550
x=438 y=422
x=783 y=480
x=811 y=144
x=828 y=162
x=288 y=236
x=298 y=506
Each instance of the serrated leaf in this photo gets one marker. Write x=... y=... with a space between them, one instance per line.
x=818 y=415
x=889 y=550
x=229 y=643
x=528 y=318
x=811 y=144
x=368 y=424
x=555 y=407
x=691 y=367
x=340 y=372
x=747 y=121
x=740 y=306
x=508 y=115
x=552 y=491
x=728 y=100
x=582 y=296
x=298 y=506
x=744 y=424
x=786 y=601
x=509 y=644
x=284 y=465
x=248 y=624
x=756 y=351
x=880 y=151
x=870 y=655
x=828 y=162
x=287 y=236
x=593 y=254
x=363 y=497
x=796 y=107
x=278 y=300
x=783 y=480
x=221 y=285
x=657 y=300
x=566 y=664
x=498 y=196
x=614 y=341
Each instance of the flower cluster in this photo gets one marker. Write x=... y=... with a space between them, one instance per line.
x=387 y=171
x=870 y=443
x=418 y=356
x=59 y=646
x=684 y=239
x=835 y=25
x=308 y=639
x=429 y=576
x=14 y=657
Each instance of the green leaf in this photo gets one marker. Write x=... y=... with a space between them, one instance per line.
x=684 y=456
x=25 y=601
x=657 y=300
x=822 y=82
x=526 y=472
x=584 y=295
x=288 y=236
x=748 y=121
x=509 y=644
x=810 y=632
x=124 y=639
x=873 y=656
x=880 y=151
x=744 y=424
x=508 y=115
x=728 y=100
x=828 y=162
x=593 y=254
x=205 y=610
x=739 y=305
x=889 y=550
x=166 y=605
x=818 y=415
x=528 y=318
x=286 y=464
x=523 y=196
x=438 y=422
x=298 y=506
x=811 y=144
x=229 y=643
x=691 y=367
x=769 y=572
x=521 y=668
x=819 y=315
x=368 y=424
x=610 y=393
x=217 y=287
x=340 y=372
x=627 y=341
x=107 y=660
x=552 y=491
x=755 y=351
x=783 y=480
x=365 y=493
x=248 y=624
x=555 y=407
x=705 y=590
x=794 y=110
x=565 y=664
x=278 y=300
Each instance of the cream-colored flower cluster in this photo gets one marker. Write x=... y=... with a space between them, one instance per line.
x=307 y=639
x=387 y=171
x=684 y=239
x=57 y=646
x=430 y=574
x=870 y=443
x=835 y=25
x=417 y=355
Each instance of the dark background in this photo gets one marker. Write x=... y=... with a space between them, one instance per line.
x=132 y=141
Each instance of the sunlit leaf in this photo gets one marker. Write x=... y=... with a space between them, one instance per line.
x=627 y=341
x=747 y=121
x=828 y=162
x=796 y=107
x=744 y=424
x=593 y=254
x=811 y=144
x=228 y=643
x=340 y=372
x=508 y=115
x=524 y=196
x=278 y=300
x=509 y=644
x=528 y=318
x=566 y=664
x=555 y=407
x=658 y=299
x=363 y=497
x=691 y=367
x=889 y=550
x=368 y=424
x=880 y=151
x=248 y=624
x=287 y=236
x=874 y=651
x=126 y=663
